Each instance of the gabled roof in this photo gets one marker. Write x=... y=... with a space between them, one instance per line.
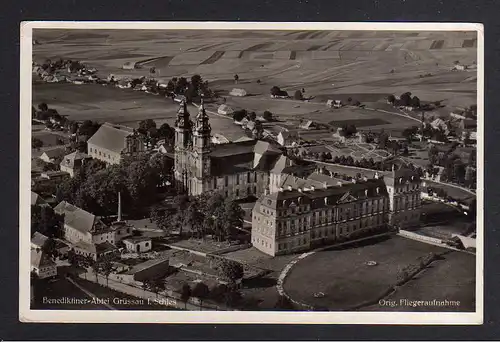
x=36 y=199
x=79 y=219
x=69 y=160
x=55 y=152
x=111 y=137
x=39 y=239
x=40 y=259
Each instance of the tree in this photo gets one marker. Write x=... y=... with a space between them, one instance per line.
x=88 y=128
x=95 y=270
x=36 y=143
x=166 y=132
x=107 y=269
x=145 y=126
x=229 y=270
x=73 y=127
x=156 y=286
x=185 y=293
x=43 y=107
x=391 y=99
x=236 y=78
x=193 y=218
x=298 y=95
x=252 y=116
x=196 y=81
x=268 y=116
x=239 y=115
x=275 y=91
x=200 y=291
x=405 y=99
x=46 y=221
x=415 y=102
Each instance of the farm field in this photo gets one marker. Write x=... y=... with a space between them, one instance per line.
x=363 y=65
x=347 y=281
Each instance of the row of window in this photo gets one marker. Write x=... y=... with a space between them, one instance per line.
x=101 y=154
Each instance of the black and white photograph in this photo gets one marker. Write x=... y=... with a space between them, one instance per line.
x=243 y=172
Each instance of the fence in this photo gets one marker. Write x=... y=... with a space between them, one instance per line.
x=171 y=299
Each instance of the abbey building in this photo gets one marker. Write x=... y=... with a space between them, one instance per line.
x=297 y=208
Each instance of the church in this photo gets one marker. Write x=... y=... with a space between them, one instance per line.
x=237 y=169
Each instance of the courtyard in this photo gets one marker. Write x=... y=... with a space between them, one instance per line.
x=357 y=276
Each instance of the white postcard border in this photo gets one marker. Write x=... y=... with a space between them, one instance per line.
x=265 y=317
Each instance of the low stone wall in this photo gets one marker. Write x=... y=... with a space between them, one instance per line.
x=232 y=249
x=419 y=237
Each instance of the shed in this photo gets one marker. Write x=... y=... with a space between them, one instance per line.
x=129 y=66
x=225 y=110
x=238 y=92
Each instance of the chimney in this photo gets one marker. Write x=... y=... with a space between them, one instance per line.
x=119 y=206
x=289 y=188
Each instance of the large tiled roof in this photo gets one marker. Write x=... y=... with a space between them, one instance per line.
x=111 y=137
x=78 y=218
x=248 y=155
x=39 y=239
x=326 y=196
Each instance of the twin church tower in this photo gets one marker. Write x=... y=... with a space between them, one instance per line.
x=192 y=149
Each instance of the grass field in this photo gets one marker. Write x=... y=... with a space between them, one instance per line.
x=347 y=281
x=363 y=65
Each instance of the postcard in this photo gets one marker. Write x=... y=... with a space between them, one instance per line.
x=243 y=172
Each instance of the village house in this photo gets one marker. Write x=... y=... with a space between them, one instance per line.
x=112 y=142
x=308 y=124
x=88 y=234
x=148 y=270
x=73 y=162
x=52 y=155
x=42 y=265
x=225 y=110
x=138 y=244
x=238 y=92
x=288 y=138
x=39 y=241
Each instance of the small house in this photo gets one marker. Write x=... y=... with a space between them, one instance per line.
x=288 y=138
x=308 y=124
x=138 y=244
x=128 y=66
x=42 y=265
x=73 y=162
x=225 y=110
x=39 y=241
x=238 y=92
